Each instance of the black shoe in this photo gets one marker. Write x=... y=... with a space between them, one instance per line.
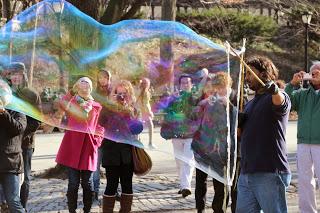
x=185 y=192
x=180 y=192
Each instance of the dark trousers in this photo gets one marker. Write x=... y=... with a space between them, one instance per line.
x=124 y=173
x=220 y=192
x=74 y=177
x=24 y=193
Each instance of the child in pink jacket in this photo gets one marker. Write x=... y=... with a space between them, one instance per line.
x=78 y=149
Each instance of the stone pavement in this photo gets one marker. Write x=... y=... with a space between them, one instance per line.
x=153 y=193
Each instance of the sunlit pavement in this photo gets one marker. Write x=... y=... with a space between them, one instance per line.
x=155 y=192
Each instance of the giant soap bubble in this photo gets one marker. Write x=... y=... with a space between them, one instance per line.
x=59 y=48
x=5 y=94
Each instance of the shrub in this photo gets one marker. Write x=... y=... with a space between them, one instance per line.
x=229 y=24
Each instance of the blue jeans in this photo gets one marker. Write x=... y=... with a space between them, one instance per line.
x=10 y=184
x=96 y=174
x=24 y=193
x=263 y=191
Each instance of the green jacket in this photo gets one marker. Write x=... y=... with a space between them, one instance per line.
x=307 y=103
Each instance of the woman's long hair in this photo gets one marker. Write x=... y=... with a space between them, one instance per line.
x=130 y=97
x=103 y=90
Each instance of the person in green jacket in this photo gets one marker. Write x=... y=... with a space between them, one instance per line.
x=306 y=101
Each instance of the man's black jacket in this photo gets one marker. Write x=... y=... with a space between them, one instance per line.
x=12 y=126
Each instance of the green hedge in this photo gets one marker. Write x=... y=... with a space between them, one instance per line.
x=229 y=24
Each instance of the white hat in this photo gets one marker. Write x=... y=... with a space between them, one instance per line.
x=86 y=79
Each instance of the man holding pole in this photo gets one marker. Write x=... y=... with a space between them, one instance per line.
x=265 y=172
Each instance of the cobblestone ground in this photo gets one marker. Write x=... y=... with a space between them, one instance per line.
x=152 y=193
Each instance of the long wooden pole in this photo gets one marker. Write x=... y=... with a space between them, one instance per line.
x=33 y=48
x=242 y=77
x=247 y=66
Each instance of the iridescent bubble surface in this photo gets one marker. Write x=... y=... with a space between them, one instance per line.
x=57 y=48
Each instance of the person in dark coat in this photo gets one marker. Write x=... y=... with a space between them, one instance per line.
x=28 y=142
x=210 y=143
x=117 y=156
x=17 y=78
x=12 y=126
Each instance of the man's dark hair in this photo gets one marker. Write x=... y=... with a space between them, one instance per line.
x=265 y=66
x=185 y=76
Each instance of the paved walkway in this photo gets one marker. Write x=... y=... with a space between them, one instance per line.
x=153 y=193
x=156 y=192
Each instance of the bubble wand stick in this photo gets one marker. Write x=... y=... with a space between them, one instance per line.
x=242 y=76
x=246 y=65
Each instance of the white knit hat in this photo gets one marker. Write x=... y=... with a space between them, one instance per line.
x=86 y=79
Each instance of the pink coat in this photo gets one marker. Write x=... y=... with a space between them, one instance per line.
x=78 y=148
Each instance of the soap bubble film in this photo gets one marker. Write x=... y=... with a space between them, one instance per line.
x=52 y=49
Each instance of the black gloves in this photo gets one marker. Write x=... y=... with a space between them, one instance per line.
x=271 y=88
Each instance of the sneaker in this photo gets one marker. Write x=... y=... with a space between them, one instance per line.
x=185 y=192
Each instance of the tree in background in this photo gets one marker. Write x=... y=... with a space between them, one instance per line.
x=168 y=13
x=105 y=11
x=282 y=41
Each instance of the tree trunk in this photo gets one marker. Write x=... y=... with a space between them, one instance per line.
x=6 y=9
x=113 y=12
x=116 y=11
x=91 y=8
x=168 y=10
x=168 y=13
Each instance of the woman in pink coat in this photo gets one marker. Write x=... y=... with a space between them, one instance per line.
x=78 y=149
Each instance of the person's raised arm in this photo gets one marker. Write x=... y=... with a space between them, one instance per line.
x=277 y=95
x=292 y=89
